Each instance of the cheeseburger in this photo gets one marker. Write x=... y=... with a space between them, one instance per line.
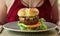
x=28 y=19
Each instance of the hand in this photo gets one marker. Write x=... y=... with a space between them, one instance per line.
x=36 y=3
x=58 y=23
x=33 y=3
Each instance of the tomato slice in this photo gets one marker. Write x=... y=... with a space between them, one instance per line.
x=36 y=25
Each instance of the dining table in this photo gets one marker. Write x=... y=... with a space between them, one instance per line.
x=14 y=33
x=6 y=32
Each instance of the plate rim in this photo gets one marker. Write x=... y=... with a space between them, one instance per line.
x=28 y=30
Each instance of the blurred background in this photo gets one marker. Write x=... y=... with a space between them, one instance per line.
x=59 y=7
x=59 y=4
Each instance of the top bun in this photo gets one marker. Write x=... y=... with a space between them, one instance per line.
x=28 y=12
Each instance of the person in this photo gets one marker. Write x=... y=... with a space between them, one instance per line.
x=9 y=8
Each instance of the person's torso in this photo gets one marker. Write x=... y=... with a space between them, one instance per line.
x=45 y=11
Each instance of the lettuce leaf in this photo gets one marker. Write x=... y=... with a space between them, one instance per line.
x=43 y=26
x=22 y=26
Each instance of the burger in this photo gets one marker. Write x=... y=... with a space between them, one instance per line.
x=29 y=19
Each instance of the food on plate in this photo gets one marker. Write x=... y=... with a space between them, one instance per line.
x=29 y=19
x=28 y=16
x=28 y=12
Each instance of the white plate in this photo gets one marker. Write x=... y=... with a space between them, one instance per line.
x=13 y=26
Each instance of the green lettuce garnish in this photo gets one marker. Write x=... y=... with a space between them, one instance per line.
x=43 y=26
x=22 y=26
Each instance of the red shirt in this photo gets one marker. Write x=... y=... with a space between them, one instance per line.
x=45 y=11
